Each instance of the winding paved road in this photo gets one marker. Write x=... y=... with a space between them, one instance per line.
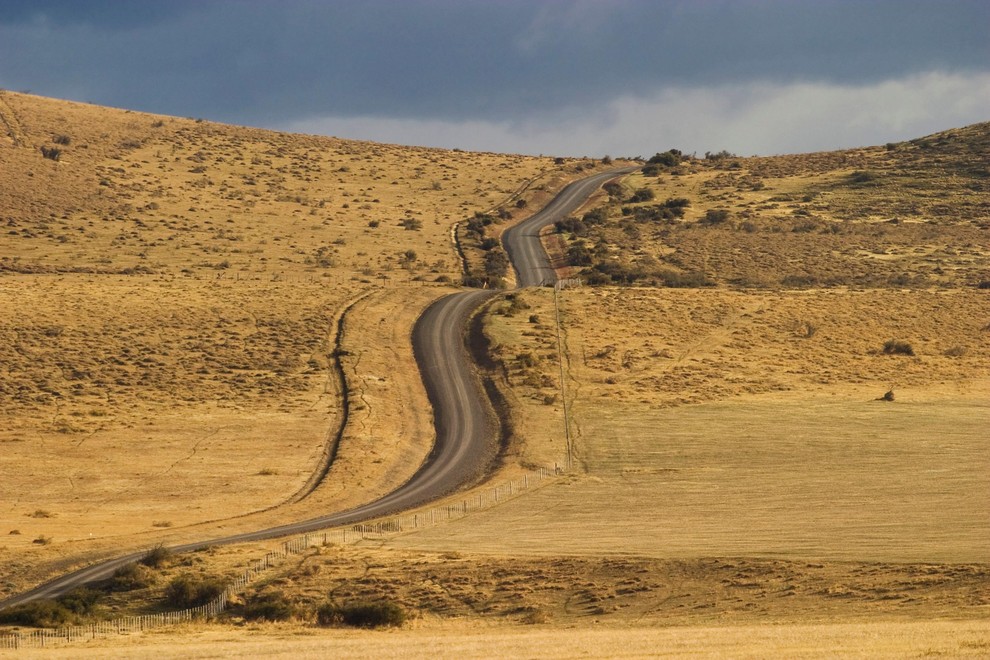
x=462 y=416
x=522 y=242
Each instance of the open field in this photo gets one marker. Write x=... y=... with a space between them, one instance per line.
x=785 y=449
x=454 y=639
x=688 y=606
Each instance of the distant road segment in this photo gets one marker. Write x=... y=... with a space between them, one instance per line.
x=522 y=242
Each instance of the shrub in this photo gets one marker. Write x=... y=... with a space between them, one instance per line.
x=578 y=255
x=67 y=609
x=39 y=614
x=131 y=577
x=862 y=176
x=799 y=280
x=897 y=347
x=642 y=195
x=613 y=189
x=269 y=606
x=527 y=359
x=715 y=217
x=81 y=601
x=51 y=153
x=157 y=557
x=496 y=263
x=597 y=216
x=668 y=158
x=192 y=591
x=474 y=281
x=64 y=140
x=570 y=225
x=806 y=329
x=361 y=615
x=324 y=257
x=688 y=280
x=719 y=155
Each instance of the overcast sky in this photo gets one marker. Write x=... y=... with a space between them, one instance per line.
x=576 y=77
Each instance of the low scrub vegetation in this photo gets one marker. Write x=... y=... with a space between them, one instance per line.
x=131 y=578
x=157 y=557
x=897 y=347
x=379 y=614
x=72 y=608
x=192 y=591
x=269 y=606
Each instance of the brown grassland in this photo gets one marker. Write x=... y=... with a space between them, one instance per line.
x=171 y=290
x=772 y=405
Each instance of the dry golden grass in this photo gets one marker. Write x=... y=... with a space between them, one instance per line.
x=786 y=450
x=915 y=214
x=622 y=590
x=502 y=597
x=130 y=470
x=136 y=191
x=172 y=289
x=176 y=284
x=457 y=639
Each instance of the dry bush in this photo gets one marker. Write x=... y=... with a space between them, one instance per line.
x=188 y=590
x=157 y=557
x=269 y=606
x=897 y=347
x=131 y=577
x=378 y=614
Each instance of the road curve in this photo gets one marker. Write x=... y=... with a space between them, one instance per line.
x=464 y=442
x=461 y=450
x=522 y=242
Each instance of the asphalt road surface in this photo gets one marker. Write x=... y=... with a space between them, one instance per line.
x=464 y=427
x=522 y=242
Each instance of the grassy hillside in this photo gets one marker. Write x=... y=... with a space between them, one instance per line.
x=172 y=290
x=911 y=214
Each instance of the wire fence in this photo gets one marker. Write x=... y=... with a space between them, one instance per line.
x=481 y=499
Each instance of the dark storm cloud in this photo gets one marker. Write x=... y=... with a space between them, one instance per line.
x=110 y=14
x=270 y=63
